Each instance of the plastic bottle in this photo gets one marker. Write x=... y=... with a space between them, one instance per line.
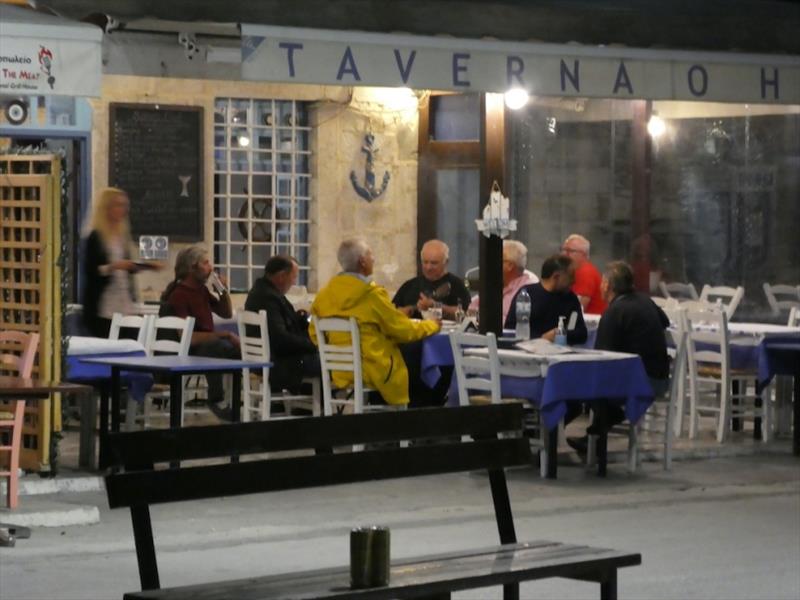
x=561 y=333
x=523 y=312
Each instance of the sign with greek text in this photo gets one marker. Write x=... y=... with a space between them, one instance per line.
x=349 y=58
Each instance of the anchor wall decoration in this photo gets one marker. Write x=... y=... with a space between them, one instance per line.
x=368 y=191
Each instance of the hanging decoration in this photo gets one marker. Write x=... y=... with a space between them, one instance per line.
x=368 y=191
x=496 y=219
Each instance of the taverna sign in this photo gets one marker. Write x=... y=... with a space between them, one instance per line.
x=283 y=54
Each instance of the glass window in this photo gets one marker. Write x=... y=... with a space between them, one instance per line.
x=456 y=117
x=246 y=132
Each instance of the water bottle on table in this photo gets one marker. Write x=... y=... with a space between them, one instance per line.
x=561 y=333
x=523 y=312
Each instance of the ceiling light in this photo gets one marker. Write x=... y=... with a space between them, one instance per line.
x=516 y=98
x=656 y=126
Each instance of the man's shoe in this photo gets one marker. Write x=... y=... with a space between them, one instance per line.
x=579 y=444
x=223 y=413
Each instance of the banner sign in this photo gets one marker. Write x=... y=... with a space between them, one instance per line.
x=31 y=66
x=283 y=54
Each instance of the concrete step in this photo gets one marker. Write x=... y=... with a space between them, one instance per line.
x=50 y=511
x=32 y=485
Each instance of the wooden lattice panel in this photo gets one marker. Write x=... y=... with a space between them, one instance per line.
x=30 y=299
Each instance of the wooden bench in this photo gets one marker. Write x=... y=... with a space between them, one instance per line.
x=140 y=484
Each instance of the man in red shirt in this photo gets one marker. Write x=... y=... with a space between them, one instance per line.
x=188 y=296
x=587 y=277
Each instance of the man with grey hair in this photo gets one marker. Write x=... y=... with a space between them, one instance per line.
x=515 y=275
x=188 y=296
x=434 y=284
x=587 y=277
x=382 y=326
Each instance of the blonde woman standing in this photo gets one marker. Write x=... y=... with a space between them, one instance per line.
x=107 y=266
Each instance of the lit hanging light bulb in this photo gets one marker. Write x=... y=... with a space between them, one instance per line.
x=516 y=98
x=656 y=126
x=244 y=141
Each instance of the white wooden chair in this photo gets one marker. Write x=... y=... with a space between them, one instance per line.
x=180 y=328
x=257 y=395
x=343 y=357
x=710 y=366
x=782 y=298
x=678 y=290
x=685 y=389
x=728 y=297
x=794 y=317
x=659 y=419
x=664 y=302
x=482 y=373
x=141 y=323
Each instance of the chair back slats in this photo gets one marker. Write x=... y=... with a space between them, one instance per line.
x=339 y=344
x=141 y=323
x=188 y=443
x=18 y=352
x=782 y=297
x=180 y=328
x=711 y=329
x=730 y=297
x=794 y=317
x=196 y=483
x=253 y=334
x=481 y=373
x=678 y=290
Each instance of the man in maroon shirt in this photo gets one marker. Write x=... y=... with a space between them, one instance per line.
x=188 y=296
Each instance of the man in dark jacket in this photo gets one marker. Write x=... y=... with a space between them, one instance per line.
x=631 y=323
x=291 y=350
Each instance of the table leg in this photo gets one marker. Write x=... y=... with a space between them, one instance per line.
x=175 y=406
x=236 y=398
x=88 y=420
x=115 y=398
x=796 y=416
x=601 y=421
x=736 y=422
x=552 y=453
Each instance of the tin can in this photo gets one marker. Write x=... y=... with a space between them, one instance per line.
x=369 y=557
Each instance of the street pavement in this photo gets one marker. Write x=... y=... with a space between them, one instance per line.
x=717 y=528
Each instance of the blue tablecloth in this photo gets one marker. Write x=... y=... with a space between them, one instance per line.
x=777 y=356
x=138 y=384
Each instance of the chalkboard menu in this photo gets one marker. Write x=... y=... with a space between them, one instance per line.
x=155 y=154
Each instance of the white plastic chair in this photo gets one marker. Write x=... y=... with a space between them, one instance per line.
x=482 y=373
x=711 y=365
x=794 y=317
x=677 y=290
x=182 y=329
x=729 y=297
x=142 y=324
x=782 y=297
x=257 y=395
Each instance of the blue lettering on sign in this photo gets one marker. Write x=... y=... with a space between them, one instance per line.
x=574 y=76
x=459 y=68
x=514 y=68
x=290 y=48
x=771 y=82
x=405 y=71
x=348 y=65
x=703 y=88
x=622 y=79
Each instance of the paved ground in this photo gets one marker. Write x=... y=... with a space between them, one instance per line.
x=720 y=528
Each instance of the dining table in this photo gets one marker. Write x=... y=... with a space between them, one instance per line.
x=550 y=382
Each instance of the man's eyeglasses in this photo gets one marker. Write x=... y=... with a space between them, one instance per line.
x=571 y=250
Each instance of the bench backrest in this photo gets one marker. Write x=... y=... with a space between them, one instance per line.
x=139 y=485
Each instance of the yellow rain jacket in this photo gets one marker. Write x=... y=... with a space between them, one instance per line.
x=382 y=328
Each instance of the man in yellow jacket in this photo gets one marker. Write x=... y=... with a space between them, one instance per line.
x=382 y=326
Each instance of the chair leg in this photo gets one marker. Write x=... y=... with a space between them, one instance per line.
x=544 y=438
x=679 y=407
x=131 y=410
x=668 y=434
x=725 y=408
x=591 y=451
x=766 y=410
x=633 y=449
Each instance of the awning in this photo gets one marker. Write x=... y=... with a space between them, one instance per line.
x=45 y=55
x=285 y=54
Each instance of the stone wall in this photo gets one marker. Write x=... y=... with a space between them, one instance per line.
x=341 y=118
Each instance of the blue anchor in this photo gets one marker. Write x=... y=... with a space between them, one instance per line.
x=368 y=191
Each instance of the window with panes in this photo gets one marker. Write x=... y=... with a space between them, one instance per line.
x=261 y=186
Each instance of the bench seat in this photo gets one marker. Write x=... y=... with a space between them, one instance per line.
x=433 y=575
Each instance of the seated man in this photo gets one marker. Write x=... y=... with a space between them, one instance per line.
x=291 y=350
x=631 y=323
x=434 y=285
x=418 y=294
x=587 y=278
x=188 y=296
x=515 y=275
x=383 y=327
x=551 y=298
